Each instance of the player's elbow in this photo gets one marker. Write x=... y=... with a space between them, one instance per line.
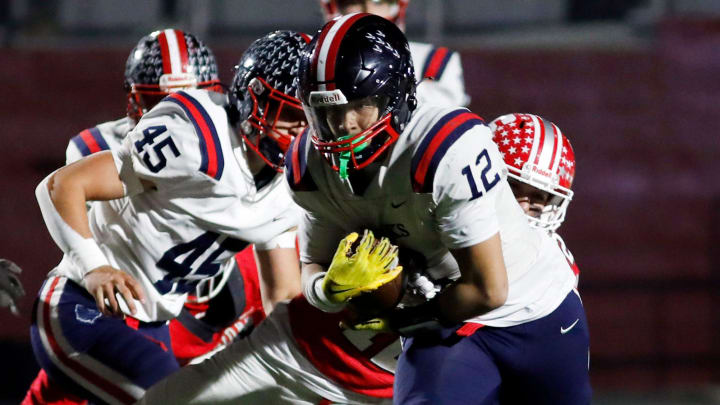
x=492 y=293
x=495 y=295
x=60 y=183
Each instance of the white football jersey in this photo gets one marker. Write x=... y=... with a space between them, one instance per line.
x=105 y=136
x=439 y=75
x=441 y=187
x=198 y=208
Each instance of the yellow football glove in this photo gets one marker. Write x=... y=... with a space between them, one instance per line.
x=374 y=325
x=365 y=270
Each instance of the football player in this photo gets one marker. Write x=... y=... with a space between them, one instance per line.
x=506 y=325
x=541 y=168
x=180 y=196
x=439 y=70
x=298 y=354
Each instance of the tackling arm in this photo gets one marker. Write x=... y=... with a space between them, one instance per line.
x=279 y=274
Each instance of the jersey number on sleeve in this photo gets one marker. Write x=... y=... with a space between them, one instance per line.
x=180 y=261
x=149 y=135
x=487 y=185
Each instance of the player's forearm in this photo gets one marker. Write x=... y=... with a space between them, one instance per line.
x=280 y=272
x=68 y=198
x=464 y=300
x=62 y=197
x=483 y=284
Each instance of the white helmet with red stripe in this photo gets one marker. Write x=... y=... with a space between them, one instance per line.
x=335 y=8
x=163 y=62
x=538 y=154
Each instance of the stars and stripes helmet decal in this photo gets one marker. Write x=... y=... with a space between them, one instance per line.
x=164 y=62
x=537 y=153
x=264 y=89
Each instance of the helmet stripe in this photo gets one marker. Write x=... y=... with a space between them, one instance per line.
x=328 y=47
x=333 y=51
x=547 y=142
x=557 y=149
x=172 y=57
x=182 y=50
x=537 y=133
x=316 y=53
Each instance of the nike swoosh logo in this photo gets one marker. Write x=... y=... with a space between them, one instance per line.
x=566 y=330
x=335 y=291
x=392 y=204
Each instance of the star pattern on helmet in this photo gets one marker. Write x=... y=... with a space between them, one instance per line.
x=515 y=143
x=273 y=58
x=148 y=68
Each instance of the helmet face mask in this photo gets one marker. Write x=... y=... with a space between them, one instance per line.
x=263 y=94
x=164 y=62
x=357 y=86
x=350 y=135
x=274 y=115
x=536 y=153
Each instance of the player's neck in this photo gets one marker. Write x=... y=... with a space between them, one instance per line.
x=255 y=162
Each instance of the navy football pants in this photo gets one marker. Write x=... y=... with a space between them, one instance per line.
x=94 y=356
x=540 y=362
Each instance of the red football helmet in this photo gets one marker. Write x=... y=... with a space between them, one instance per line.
x=332 y=8
x=538 y=154
x=164 y=62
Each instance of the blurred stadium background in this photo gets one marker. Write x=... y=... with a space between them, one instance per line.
x=634 y=84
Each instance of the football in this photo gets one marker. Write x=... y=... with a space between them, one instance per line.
x=384 y=298
x=388 y=296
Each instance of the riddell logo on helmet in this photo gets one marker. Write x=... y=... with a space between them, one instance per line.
x=534 y=169
x=171 y=82
x=326 y=98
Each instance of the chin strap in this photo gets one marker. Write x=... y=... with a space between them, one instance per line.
x=345 y=156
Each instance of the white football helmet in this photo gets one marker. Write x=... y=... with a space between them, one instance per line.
x=538 y=154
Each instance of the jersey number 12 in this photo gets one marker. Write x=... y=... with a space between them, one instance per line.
x=487 y=185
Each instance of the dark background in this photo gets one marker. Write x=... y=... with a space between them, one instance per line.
x=636 y=95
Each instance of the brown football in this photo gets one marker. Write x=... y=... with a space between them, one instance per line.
x=384 y=298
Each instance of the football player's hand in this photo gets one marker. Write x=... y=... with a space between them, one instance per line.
x=104 y=282
x=10 y=287
x=369 y=267
x=406 y=321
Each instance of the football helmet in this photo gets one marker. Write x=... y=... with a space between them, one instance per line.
x=538 y=154
x=164 y=62
x=264 y=88
x=357 y=61
x=332 y=9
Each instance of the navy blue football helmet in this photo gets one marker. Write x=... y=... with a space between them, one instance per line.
x=163 y=62
x=263 y=92
x=358 y=61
